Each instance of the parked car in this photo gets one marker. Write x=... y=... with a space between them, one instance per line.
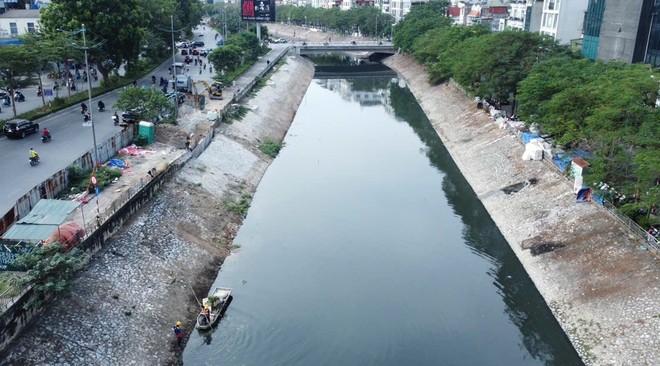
x=20 y=128
x=129 y=117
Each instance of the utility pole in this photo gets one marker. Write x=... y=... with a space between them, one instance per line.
x=176 y=94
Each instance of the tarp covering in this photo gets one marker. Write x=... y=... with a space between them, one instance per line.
x=528 y=136
x=69 y=234
x=118 y=163
x=583 y=195
x=563 y=160
x=40 y=223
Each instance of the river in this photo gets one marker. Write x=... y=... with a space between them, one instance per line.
x=364 y=245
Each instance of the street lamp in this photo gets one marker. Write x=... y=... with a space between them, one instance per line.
x=89 y=85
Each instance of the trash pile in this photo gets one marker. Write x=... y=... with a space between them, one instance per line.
x=134 y=150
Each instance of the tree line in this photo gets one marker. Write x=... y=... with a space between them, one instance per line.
x=609 y=109
x=368 y=20
x=121 y=31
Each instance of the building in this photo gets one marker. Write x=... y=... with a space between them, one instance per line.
x=525 y=15
x=563 y=19
x=399 y=8
x=622 y=30
x=16 y=22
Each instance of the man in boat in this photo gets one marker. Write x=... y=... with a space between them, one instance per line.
x=207 y=313
x=178 y=332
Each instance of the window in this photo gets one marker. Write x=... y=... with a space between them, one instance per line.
x=30 y=27
x=13 y=29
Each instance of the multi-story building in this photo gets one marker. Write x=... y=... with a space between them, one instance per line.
x=525 y=15
x=399 y=8
x=623 y=30
x=563 y=19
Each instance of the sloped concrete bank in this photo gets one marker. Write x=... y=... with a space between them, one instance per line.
x=126 y=301
x=602 y=288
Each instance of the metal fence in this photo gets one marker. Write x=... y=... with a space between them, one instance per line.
x=7 y=302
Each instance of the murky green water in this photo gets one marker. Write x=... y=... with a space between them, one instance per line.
x=365 y=245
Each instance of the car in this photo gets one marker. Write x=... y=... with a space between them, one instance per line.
x=184 y=52
x=204 y=52
x=129 y=117
x=198 y=44
x=195 y=52
x=200 y=35
x=188 y=59
x=20 y=128
x=220 y=43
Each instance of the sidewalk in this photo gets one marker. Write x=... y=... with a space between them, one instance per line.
x=32 y=101
x=159 y=155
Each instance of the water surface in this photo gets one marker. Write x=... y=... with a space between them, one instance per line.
x=364 y=245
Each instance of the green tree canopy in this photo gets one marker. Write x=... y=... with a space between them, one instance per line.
x=421 y=19
x=147 y=103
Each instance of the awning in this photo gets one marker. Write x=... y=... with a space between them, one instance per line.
x=42 y=221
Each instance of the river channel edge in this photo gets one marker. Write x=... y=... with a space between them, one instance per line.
x=600 y=286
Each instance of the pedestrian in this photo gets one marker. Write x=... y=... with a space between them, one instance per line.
x=200 y=69
x=195 y=62
x=205 y=66
x=210 y=68
x=178 y=332
x=169 y=70
x=189 y=142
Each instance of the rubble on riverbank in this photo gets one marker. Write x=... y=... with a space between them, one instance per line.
x=600 y=286
x=125 y=303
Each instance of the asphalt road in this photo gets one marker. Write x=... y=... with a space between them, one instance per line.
x=70 y=138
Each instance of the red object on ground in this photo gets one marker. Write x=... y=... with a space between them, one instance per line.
x=69 y=234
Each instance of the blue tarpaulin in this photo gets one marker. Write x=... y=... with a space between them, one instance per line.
x=528 y=136
x=118 y=163
x=563 y=160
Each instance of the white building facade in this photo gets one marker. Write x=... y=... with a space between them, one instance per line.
x=16 y=22
x=563 y=19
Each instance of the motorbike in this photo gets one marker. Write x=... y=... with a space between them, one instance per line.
x=34 y=161
x=6 y=102
x=86 y=117
x=115 y=119
x=19 y=97
x=83 y=109
x=101 y=107
x=45 y=138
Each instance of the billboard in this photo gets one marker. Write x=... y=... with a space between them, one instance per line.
x=258 y=10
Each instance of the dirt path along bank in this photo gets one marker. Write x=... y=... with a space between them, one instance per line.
x=601 y=287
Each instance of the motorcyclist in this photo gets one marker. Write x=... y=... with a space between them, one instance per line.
x=115 y=118
x=46 y=133
x=86 y=116
x=83 y=107
x=101 y=105
x=33 y=155
x=153 y=79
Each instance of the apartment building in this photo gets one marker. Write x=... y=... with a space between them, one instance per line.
x=525 y=15
x=563 y=19
x=622 y=30
x=16 y=22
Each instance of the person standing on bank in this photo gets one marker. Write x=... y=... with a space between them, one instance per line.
x=178 y=332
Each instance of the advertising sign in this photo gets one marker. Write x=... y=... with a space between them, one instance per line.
x=258 y=10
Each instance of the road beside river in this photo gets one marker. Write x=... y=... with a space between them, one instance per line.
x=601 y=287
x=125 y=303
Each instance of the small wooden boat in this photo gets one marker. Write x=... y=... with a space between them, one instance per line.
x=213 y=307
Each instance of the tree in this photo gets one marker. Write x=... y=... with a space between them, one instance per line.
x=148 y=104
x=50 y=270
x=118 y=24
x=228 y=56
x=421 y=19
x=15 y=63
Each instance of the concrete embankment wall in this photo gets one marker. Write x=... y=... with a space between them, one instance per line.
x=16 y=317
x=600 y=285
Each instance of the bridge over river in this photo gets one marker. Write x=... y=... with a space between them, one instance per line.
x=358 y=47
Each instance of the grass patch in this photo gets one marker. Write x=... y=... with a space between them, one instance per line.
x=270 y=147
x=240 y=206
x=80 y=180
x=10 y=284
x=236 y=115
